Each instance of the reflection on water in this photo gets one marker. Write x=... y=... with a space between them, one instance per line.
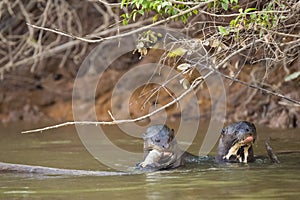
x=62 y=148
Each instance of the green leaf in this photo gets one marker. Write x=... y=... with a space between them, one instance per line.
x=158 y=8
x=235 y=7
x=177 y=52
x=145 y=5
x=125 y=22
x=250 y=9
x=233 y=23
x=133 y=16
x=292 y=76
x=155 y=18
x=261 y=33
x=224 y=6
x=183 y=18
x=164 y=4
x=137 y=5
x=141 y=12
x=253 y=17
x=223 y=30
x=195 y=12
x=234 y=1
x=124 y=2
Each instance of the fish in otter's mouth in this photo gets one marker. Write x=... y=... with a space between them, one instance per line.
x=240 y=149
x=235 y=144
x=156 y=158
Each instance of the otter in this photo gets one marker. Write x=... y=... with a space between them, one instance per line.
x=161 y=150
x=235 y=143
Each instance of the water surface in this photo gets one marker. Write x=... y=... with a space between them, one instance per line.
x=62 y=148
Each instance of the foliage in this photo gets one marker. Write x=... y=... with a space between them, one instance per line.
x=292 y=76
x=252 y=19
x=250 y=32
x=146 y=40
x=161 y=8
x=264 y=32
x=223 y=5
x=246 y=19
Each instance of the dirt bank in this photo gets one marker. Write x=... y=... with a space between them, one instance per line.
x=44 y=92
x=47 y=95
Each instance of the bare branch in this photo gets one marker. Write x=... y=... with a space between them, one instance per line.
x=238 y=14
x=109 y=4
x=122 y=121
x=122 y=34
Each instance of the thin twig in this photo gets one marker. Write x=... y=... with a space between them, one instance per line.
x=260 y=88
x=122 y=121
x=110 y=4
x=44 y=54
x=248 y=84
x=193 y=86
x=250 y=13
x=184 y=3
x=123 y=34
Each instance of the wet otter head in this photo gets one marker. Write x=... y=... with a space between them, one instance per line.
x=160 y=148
x=157 y=137
x=235 y=144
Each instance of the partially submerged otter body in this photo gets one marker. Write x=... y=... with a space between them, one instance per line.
x=161 y=150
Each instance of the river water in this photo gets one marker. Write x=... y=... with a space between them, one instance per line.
x=62 y=148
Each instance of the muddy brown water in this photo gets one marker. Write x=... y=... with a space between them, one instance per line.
x=62 y=148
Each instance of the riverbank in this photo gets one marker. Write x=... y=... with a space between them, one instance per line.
x=46 y=94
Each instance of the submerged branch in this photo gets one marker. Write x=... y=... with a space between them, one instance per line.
x=20 y=168
x=273 y=157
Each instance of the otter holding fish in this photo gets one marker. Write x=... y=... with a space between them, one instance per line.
x=235 y=143
x=161 y=150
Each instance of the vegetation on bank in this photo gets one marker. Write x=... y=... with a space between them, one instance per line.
x=272 y=27
x=233 y=32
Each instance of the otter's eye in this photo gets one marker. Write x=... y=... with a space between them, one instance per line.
x=222 y=131
x=157 y=140
x=247 y=130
